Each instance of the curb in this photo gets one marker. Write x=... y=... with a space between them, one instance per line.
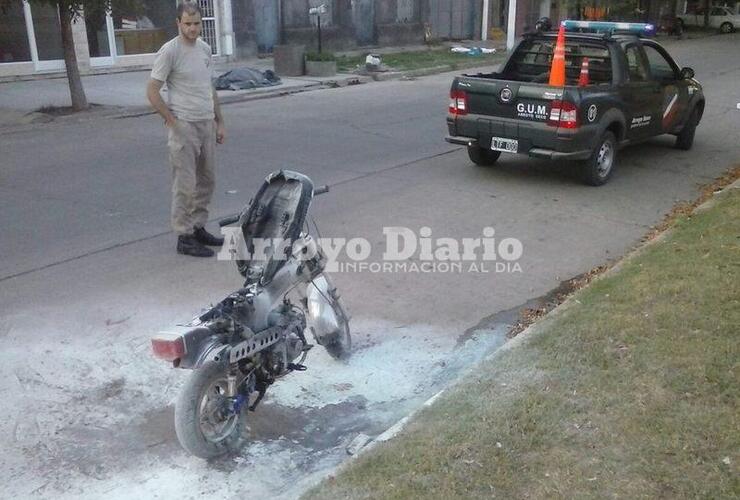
x=434 y=70
x=258 y=94
x=343 y=80
x=527 y=334
x=119 y=112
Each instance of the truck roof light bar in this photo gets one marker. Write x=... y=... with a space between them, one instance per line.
x=610 y=27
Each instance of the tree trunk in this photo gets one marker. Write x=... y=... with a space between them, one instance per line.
x=76 y=91
x=706 y=13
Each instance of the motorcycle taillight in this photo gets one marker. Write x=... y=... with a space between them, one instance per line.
x=168 y=347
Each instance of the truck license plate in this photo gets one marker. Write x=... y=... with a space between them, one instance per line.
x=505 y=145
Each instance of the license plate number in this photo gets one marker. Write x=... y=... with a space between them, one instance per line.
x=505 y=145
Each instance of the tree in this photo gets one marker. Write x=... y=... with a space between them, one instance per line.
x=70 y=11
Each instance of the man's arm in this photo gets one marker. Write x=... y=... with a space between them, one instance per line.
x=155 y=99
x=220 y=128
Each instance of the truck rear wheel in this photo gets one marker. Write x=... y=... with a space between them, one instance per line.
x=483 y=157
x=598 y=168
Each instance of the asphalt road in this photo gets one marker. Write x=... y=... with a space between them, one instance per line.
x=89 y=273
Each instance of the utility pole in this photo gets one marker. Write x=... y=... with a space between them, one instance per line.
x=484 y=24
x=511 y=26
x=281 y=23
x=317 y=11
x=318 y=22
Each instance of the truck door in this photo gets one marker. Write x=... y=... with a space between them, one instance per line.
x=641 y=94
x=674 y=90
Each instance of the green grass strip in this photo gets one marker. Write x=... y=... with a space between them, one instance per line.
x=631 y=391
x=412 y=60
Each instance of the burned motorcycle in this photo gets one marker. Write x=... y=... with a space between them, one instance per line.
x=257 y=334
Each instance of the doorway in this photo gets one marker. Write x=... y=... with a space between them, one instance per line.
x=363 y=18
x=266 y=24
x=452 y=19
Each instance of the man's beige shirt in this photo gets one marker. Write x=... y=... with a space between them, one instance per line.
x=188 y=72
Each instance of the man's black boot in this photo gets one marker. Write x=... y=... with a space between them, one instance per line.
x=207 y=238
x=187 y=244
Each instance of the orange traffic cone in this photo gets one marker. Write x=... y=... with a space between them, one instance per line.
x=557 y=71
x=583 y=79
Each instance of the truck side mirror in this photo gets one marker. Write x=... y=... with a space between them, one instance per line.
x=687 y=73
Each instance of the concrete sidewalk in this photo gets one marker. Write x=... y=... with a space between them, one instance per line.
x=122 y=93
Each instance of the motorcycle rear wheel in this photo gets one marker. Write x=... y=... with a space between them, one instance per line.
x=203 y=423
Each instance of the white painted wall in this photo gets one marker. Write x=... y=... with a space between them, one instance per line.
x=484 y=23
x=511 y=26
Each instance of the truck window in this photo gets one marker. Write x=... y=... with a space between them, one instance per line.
x=660 y=68
x=636 y=67
x=533 y=59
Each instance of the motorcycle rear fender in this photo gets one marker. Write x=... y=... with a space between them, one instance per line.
x=201 y=345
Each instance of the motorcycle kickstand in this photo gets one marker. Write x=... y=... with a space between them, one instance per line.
x=261 y=391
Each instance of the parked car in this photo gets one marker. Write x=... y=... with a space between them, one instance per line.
x=634 y=91
x=722 y=18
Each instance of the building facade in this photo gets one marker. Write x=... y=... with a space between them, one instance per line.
x=30 y=39
x=30 y=36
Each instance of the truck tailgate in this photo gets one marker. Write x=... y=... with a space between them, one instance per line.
x=506 y=99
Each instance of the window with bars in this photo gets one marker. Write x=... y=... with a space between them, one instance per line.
x=210 y=30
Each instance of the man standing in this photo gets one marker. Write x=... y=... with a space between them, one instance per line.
x=194 y=122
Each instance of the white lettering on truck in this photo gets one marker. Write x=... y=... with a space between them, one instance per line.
x=531 y=111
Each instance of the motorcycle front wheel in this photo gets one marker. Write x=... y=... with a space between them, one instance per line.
x=339 y=345
x=205 y=423
x=327 y=319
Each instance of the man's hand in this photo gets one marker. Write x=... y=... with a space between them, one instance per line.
x=155 y=98
x=220 y=133
x=220 y=129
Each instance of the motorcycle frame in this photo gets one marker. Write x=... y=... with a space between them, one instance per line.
x=201 y=344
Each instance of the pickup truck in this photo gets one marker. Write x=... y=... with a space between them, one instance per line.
x=635 y=91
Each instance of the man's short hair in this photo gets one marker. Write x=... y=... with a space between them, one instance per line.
x=189 y=7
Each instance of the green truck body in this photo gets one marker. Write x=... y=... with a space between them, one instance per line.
x=635 y=91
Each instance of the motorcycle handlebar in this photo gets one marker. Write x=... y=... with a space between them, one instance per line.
x=227 y=221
